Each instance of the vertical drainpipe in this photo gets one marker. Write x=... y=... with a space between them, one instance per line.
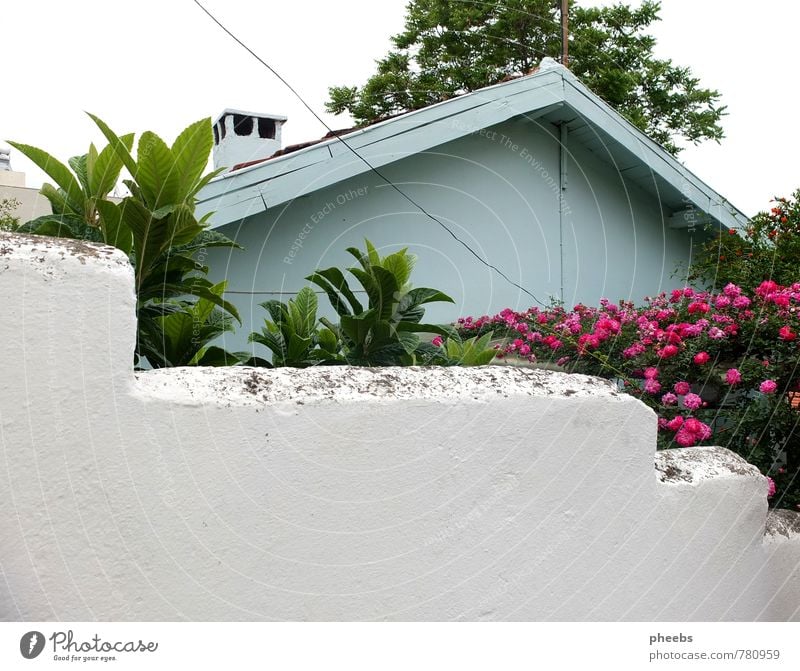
x=562 y=182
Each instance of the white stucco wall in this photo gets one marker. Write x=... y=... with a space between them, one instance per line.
x=493 y=493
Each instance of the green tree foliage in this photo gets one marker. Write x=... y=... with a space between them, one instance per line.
x=155 y=225
x=451 y=47
x=767 y=249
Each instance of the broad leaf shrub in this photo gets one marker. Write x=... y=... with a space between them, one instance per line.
x=719 y=368
x=386 y=331
x=179 y=311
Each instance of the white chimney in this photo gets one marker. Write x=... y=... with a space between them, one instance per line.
x=241 y=137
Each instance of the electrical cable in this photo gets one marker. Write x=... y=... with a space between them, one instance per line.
x=365 y=161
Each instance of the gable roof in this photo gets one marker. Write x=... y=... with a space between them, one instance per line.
x=552 y=94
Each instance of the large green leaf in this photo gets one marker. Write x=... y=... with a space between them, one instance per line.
x=336 y=278
x=303 y=311
x=443 y=330
x=217 y=356
x=105 y=167
x=357 y=327
x=421 y=296
x=337 y=302
x=115 y=232
x=381 y=287
x=78 y=165
x=148 y=241
x=157 y=174
x=121 y=146
x=400 y=264
x=190 y=154
x=273 y=341
x=297 y=348
x=57 y=198
x=57 y=171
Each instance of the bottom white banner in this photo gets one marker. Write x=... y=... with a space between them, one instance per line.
x=400 y=646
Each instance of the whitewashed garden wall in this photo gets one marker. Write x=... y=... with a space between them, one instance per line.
x=346 y=494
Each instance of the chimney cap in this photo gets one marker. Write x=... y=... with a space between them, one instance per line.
x=257 y=115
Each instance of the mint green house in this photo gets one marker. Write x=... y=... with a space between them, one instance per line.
x=536 y=176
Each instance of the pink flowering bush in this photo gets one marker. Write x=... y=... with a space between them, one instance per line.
x=719 y=368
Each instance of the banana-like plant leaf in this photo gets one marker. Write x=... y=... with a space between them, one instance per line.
x=357 y=327
x=421 y=296
x=336 y=278
x=304 y=307
x=119 y=145
x=216 y=356
x=444 y=330
x=400 y=264
x=78 y=165
x=336 y=300
x=104 y=168
x=57 y=198
x=114 y=231
x=190 y=154
x=381 y=287
x=58 y=172
x=157 y=174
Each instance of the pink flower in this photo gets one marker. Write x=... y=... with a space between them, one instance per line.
x=768 y=387
x=692 y=401
x=786 y=333
x=771 y=488
x=733 y=376
x=698 y=306
x=675 y=423
x=741 y=302
x=669 y=399
x=437 y=341
x=633 y=351
x=731 y=290
x=716 y=333
x=525 y=349
x=652 y=386
x=668 y=351
x=685 y=438
x=699 y=430
x=650 y=373
x=767 y=287
x=701 y=358
x=722 y=301
x=682 y=388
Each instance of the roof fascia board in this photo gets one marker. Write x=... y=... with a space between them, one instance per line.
x=600 y=115
x=401 y=142
x=358 y=139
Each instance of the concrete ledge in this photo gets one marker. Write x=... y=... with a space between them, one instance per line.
x=259 y=386
x=784 y=523
x=693 y=465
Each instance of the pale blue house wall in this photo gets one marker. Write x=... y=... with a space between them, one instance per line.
x=617 y=243
x=498 y=192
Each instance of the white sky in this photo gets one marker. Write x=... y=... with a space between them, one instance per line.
x=161 y=64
